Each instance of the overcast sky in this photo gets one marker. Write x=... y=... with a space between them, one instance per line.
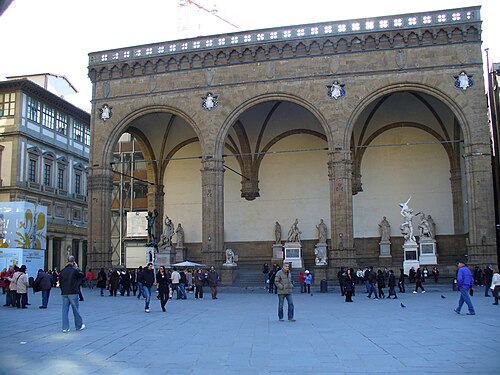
x=55 y=36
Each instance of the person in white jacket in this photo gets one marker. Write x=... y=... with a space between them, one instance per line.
x=495 y=286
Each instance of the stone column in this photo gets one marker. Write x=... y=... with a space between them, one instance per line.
x=99 y=235
x=481 y=246
x=50 y=253
x=340 y=176
x=457 y=198
x=212 y=187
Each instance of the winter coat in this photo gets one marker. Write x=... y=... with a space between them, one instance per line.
x=464 y=278
x=70 y=280
x=162 y=280
x=101 y=279
x=348 y=283
x=392 y=280
x=114 y=280
x=213 y=278
x=283 y=282
x=43 y=282
x=381 y=280
x=22 y=283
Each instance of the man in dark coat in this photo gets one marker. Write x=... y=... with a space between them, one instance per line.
x=213 y=281
x=70 y=280
x=43 y=283
x=147 y=278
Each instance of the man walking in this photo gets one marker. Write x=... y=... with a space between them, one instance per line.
x=372 y=281
x=465 y=281
x=176 y=279
x=70 y=280
x=147 y=278
x=283 y=282
x=213 y=281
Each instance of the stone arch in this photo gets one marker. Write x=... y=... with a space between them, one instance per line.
x=231 y=118
x=406 y=87
x=117 y=131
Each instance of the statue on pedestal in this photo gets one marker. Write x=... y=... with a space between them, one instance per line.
x=425 y=227
x=322 y=231
x=277 y=233
x=229 y=258
x=432 y=225
x=294 y=232
x=320 y=256
x=180 y=235
x=407 y=226
x=168 y=232
x=385 y=230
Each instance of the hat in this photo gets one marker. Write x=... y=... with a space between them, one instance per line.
x=306 y=271
x=461 y=261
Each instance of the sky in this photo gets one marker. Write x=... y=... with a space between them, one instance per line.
x=56 y=36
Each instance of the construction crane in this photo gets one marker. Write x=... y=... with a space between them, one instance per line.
x=183 y=16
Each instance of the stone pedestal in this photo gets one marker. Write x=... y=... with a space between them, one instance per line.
x=180 y=254
x=428 y=255
x=228 y=274
x=320 y=253
x=385 y=248
x=410 y=249
x=278 y=251
x=293 y=254
x=165 y=257
x=319 y=273
x=150 y=254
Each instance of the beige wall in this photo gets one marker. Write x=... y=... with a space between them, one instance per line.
x=391 y=174
x=6 y=166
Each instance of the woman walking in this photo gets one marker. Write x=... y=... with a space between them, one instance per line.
x=163 y=282
x=349 y=281
x=199 y=279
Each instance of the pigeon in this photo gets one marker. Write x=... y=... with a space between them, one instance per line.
x=442 y=296
x=402 y=305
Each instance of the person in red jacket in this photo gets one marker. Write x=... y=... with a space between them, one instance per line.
x=90 y=279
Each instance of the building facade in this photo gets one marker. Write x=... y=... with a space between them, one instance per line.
x=44 y=153
x=340 y=121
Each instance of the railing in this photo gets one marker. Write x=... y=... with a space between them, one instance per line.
x=336 y=28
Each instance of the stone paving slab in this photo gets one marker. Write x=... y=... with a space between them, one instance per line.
x=239 y=333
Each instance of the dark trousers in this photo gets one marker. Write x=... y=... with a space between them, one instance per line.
x=307 y=288
x=401 y=285
x=381 y=292
x=495 y=293
x=198 y=291
x=418 y=284
x=21 y=300
x=348 y=296
x=134 y=288
x=213 y=290
x=164 y=295
x=341 y=284
x=372 y=290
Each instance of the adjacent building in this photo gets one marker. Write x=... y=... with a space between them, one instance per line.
x=44 y=153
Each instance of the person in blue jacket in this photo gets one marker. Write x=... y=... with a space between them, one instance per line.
x=465 y=281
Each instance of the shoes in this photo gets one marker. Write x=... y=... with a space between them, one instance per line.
x=65 y=330
x=147 y=310
x=414 y=292
x=42 y=307
x=423 y=291
x=81 y=328
x=492 y=303
x=292 y=320
x=458 y=312
x=281 y=320
x=163 y=309
x=6 y=305
x=471 y=313
x=375 y=299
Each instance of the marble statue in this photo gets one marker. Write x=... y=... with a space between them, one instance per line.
x=168 y=232
x=385 y=230
x=277 y=233
x=432 y=225
x=180 y=235
x=229 y=257
x=322 y=231
x=320 y=253
x=294 y=232
x=425 y=227
x=407 y=226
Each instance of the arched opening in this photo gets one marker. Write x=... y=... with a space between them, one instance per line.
x=408 y=143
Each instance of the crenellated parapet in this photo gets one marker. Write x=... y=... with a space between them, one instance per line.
x=327 y=38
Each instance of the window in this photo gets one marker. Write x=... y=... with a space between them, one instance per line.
x=86 y=139
x=60 y=178
x=61 y=123
x=48 y=117
x=32 y=170
x=34 y=109
x=7 y=104
x=47 y=174
x=78 y=183
x=77 y=131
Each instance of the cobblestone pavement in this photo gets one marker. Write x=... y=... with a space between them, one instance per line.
x=239 y=333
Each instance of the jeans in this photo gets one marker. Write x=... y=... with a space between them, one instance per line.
x=182 y=290
x=90 y=284
x=146 y=291
x=140 y=289
x=73 y=300
x=45 y=297
x=281 y=300
x=464 y=297
x=372 y=289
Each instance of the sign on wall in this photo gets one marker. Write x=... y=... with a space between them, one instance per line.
x=137 y=225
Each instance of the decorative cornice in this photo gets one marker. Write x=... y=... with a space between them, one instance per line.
x=408 y=30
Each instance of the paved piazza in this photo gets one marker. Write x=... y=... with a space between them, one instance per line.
x=239 y=333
